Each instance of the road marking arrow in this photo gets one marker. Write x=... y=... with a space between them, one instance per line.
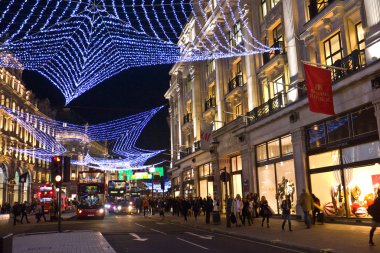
x=207 y=237
x=137 y=238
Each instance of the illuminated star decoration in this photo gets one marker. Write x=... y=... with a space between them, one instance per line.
x=50 y=135
x=78 y=44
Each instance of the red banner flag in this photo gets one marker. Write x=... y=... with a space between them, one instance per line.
x=319 y=89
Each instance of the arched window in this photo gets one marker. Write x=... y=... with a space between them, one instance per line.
x=26 y=189
x=3 y=179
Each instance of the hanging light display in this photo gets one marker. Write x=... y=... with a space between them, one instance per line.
x=78 y=44
x=50 y=135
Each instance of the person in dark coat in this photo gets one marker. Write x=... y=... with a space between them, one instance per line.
x=185 y=208
x=374 y=211
x=286 y=205
x=24 y=212
x=208 y=207
x=196 y=208
x=16 y=211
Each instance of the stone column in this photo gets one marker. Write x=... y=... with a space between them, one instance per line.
x=180 y=115
x=372 y=40
x=216 y=172
x=219 y=92
x=299 y=153
x=246 y=171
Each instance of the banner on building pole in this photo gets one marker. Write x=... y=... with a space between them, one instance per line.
x=319 y=89
x=206 y=132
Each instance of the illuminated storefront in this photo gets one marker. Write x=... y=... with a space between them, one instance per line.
x=176 y=187
x=206 y=186
x=344 y=157
x=188 y=183
x=276 y=174
x=236 y=170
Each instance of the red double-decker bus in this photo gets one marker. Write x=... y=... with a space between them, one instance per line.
x=91 y=190
x=46 y=195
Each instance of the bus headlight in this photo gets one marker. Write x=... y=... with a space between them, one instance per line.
x=101 y=210
x=119 y=208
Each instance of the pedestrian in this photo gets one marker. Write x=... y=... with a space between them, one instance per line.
x=306 y=202
x=256 y=203
x=237 y=207
x=264 y=211
x=286 y=205
x=40 y=212
x=208 y=208
x=317 y=214
x=251 y=209
x=196 y=208
x=185 y=208
x=145 y=206
x=24 y=212
x=245 y=212
x=374 y=211
x=16 y=211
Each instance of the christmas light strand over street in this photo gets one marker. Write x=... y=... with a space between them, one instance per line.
x=50 y=134
x=79 y=44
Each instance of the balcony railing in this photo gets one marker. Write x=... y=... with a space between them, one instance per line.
x=278 y=102
x=187 y=118
x=316 y=6
x=210 y=103
x=267 y=56
x=352 y=62
x=197 y=145
x=235 y=82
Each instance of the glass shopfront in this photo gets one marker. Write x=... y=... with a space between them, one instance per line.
x=236 y=169
x=188 y=183
x=276 y=175
x=206 y=186
x=345 y=179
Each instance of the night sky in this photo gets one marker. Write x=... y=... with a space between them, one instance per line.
x=132 y=91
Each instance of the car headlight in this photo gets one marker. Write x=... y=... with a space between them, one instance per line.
x=101 y=210
x=129 y=207
x=119 y=208
x=107 y=206
x=114 y=208
x=79 y=211
x=130 y=203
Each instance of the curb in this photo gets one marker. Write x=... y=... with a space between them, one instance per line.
x=242 y=236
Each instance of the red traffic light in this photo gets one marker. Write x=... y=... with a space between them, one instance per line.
x=57 y=159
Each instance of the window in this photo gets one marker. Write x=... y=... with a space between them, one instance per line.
x=188 y=106
x=189 y=83
x=235 y=37
x=277 y=34
x=317 y=135
x=210 y=67
x=274 y=2
x=333 y=49
x=330 y=158
x=261 y=152
x=338 y=129
x=360 y=36
x=263 y=9
x=236 y=164
x=238 y=111
x=274 y=149
x=211 y=90
x=364 y=121
x=286 y=145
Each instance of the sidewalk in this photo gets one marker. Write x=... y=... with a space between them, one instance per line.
x=67 y=242
x=320 y=238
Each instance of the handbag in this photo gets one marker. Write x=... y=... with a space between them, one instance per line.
x=233 y=218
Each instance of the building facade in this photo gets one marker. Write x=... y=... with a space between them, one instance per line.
x=264 y=134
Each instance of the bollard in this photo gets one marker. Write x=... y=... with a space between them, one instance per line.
x=6 y=244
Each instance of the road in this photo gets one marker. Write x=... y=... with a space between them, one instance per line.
x=133 y=233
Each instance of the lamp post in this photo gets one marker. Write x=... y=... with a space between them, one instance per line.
x=151 y=171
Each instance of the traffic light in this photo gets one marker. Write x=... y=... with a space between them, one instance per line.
x=56 y=169
x=162 y=181
x=66 y=169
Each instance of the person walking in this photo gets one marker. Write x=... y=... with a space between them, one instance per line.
x=196 y=208
x=264 y=211
x=306 y=202
x=317 y=214
x=374 y=211
x=185 y=208
x=24 y=212
x=208 y=208
x=286 y=205
x=145 y=206
x=245 y=212
x=237 y=207
x=16 y=211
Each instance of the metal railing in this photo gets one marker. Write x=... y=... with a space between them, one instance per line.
x=267 y=56
x=235 y=82
x=187 y=118
x=352 y=62
x=316 y=6
x=278 y=102
x=210 y=103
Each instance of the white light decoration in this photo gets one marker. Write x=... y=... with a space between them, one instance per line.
x=50 y=135
x=78 y=44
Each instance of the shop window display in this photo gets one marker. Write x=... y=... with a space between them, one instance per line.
x=236 y=184
x=267 y=185
x=325 y=159
x=361 y=152
x=286 y=145
x=286 y=183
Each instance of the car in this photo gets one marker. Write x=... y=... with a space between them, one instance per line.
x=110 y=207
x=125 y=206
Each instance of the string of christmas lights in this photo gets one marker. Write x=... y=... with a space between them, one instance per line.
x=79 y=44
x=50 y=135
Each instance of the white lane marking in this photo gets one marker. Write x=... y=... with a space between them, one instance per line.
x=262 y=243
x=160 y=223
x=207 y=237
x=139 y=225
x=138 y=238
x=192 y=243
x=158 y=231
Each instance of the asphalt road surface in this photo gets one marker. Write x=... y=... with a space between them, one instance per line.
x=136 y=234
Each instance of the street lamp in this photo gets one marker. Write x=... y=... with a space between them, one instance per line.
x=151 y=171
